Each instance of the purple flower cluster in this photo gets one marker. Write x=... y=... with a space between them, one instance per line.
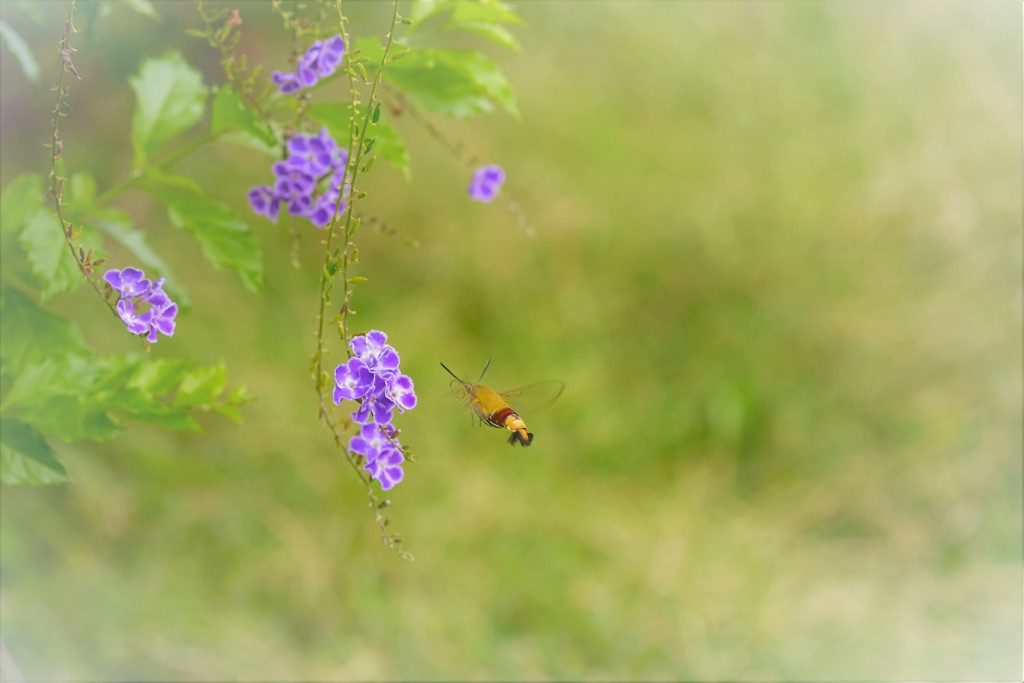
x=137 y=292
x=486 y=183
x=372 y=377
x=308 y=182
x=320 y=61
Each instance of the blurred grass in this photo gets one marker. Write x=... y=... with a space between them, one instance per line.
x=778 y=265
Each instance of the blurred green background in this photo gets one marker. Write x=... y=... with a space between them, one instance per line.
x=778 y=265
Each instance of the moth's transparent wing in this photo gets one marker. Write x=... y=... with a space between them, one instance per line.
x=534 y=397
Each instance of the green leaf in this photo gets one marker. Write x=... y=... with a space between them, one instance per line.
x=458 y=83
x=49 y=255
x=83 y=192
x=389 y=145
x=158 y=376
x=170 y=97
x=229 y=113
x=202 y=386
x=485 y=19
x=492 y=32
x=19 y=200
x=225 y=239
x=25 y=457
x=118 y=225
x=144 y=7
x=30 y=334
x=56 y=397
x=10 y=39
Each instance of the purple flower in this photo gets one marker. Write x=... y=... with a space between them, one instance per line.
x=330 y=56
x=136 y=324
x=371 y=440
x=265 y=202
x=163 y=312
x=320 y=60
x=373 y=378
x=402 y=393
x=128 y=282
x=308 y=182
x=324 y=209
x=486 y=183
x=319 y=152
x=369 y=346
x=376 y=406
x=386 y=468
x=353 y=380
x=286 y=82
x=136 y=292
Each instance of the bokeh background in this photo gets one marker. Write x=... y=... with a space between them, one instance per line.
x=777 y=263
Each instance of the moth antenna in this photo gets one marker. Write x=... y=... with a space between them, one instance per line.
x=451 y=373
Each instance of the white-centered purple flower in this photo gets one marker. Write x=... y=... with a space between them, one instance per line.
x=373 y=378
x=352 y=380
x=136 y=324
x=401 y=391
x=163 y=312
x=486 y=183
x=371 y=440
x=386 y=468
x=137 y=293
x=128 y=282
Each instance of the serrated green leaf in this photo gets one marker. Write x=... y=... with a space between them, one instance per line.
x=168 y=417
x=118 y=225
x=202 y=386
x=30 y=334
x=158 y=376
x=22 y=196
x=10 y=39
x=224 y=238
x=49 y=255
x=170 y=97
x=25 y=457
x=458 y=83
x=144 y=7
x=229 y=113
x=57 y=398
x=389 y=145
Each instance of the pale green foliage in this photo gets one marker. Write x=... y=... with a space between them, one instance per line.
x=10 y=39
x=170 y=97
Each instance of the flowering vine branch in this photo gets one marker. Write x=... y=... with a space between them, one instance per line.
x=333 y=265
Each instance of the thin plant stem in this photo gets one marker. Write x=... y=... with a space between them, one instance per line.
x=83 y=260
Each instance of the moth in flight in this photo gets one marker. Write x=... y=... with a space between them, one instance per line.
x=495 y=409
